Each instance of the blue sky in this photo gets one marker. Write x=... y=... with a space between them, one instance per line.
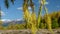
x=15 y=11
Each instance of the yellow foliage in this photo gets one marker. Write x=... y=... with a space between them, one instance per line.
x=39 y=16
x=33 y=28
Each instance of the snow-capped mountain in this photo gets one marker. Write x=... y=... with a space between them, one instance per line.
x=8 y=21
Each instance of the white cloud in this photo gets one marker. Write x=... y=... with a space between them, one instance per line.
x=21 y=8
x=46 y=3
x=2 y=13
x=29 y=8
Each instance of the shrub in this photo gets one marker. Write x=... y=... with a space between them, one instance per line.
x=55 y=23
